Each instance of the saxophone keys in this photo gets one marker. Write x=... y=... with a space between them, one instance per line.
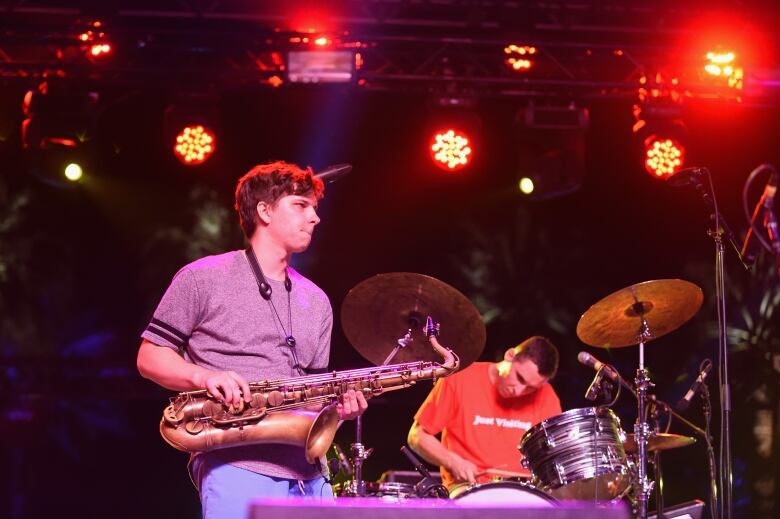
x=275 y=398
x=258 y=401
x=194 y=427
x=235 y=410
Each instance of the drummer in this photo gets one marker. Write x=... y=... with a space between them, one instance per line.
x=483 y=411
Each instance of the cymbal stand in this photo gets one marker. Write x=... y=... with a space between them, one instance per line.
x=641 y=430
x=358 y=451
x=658 y=468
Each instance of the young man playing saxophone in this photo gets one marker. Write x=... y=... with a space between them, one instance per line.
x=246 y=316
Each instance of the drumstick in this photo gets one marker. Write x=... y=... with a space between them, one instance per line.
x=500 y=472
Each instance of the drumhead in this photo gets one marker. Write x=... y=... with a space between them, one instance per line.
x=504 y=492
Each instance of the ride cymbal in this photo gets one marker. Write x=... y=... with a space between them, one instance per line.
x=616 y=320
x=378 y=311
x=658 y=442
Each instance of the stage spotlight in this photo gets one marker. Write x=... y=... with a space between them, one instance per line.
x=58 y=121
x=526 y=185
x=519 y=57
x=662 y=144
x=56 y=116
x=95 y=40
x=194 y=145
x=450 y=149
x=73 y=172
x=60 y=166
x=722 y=66
x=100 y=49
x=663 y=156
x=190 y=127
x=550 y=146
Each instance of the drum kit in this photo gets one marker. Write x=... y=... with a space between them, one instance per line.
x=581 y=454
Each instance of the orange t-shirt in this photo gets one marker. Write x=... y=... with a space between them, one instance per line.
x=480 y=426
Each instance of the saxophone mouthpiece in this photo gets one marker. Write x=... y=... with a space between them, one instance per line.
x=431 y=327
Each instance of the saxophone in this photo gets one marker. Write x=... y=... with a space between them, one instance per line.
x=296 y=411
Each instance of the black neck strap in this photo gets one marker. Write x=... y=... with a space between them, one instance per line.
x=262 y=284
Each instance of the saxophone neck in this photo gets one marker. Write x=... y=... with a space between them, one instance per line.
x=451 y=360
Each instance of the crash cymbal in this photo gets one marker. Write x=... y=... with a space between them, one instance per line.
x=379 y=310
x=615 y=321
x=658 y=442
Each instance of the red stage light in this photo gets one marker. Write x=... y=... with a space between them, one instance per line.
x=194 y=145
x=96 y=39
x=664 y=156
x=100 y=49
x=519 y=57
x=450 y=149
x=723 y=65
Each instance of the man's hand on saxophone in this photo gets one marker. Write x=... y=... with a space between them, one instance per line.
x=227 y=387
x=351 y=405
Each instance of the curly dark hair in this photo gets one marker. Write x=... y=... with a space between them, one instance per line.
x=268 y=183
x=542 y=352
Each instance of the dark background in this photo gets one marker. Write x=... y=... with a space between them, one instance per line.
x=84 y=266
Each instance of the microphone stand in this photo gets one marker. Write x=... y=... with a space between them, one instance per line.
x=707 y=408
x=721 y=228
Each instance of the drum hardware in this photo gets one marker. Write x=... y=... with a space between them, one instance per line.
x=380 y=306
x=636 y=315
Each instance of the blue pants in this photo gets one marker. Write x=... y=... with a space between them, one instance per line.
x=226 y=491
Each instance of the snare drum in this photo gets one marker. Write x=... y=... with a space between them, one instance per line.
x=509 y=492
x=578 y=455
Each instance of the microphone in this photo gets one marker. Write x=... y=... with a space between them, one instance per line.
x=592 y=362
x=427 y=486
x=687 y=176
x=766 y=202
x=593 y=391
x=344 y=464
x=333 y=173
x=416 y=463
x=685 y=401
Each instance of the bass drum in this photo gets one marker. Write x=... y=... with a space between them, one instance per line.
x=506 y=492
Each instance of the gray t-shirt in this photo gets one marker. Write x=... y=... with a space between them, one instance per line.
x=213 y=315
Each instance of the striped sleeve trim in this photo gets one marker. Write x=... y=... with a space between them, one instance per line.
x=167 y=332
